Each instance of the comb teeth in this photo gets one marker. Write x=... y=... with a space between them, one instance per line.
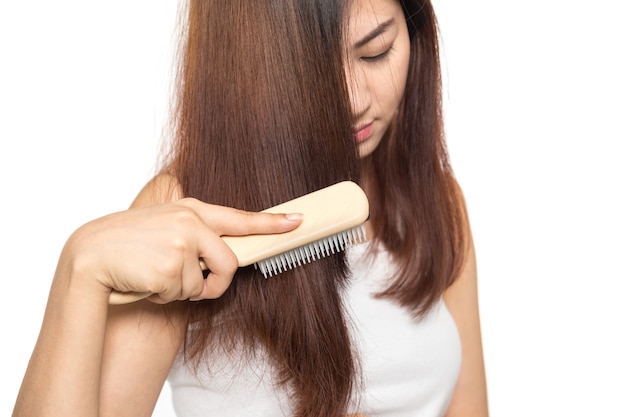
x=311 y=252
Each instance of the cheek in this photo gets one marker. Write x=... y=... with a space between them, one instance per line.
x=400 y=67
x=401 y=73
x=391 y=85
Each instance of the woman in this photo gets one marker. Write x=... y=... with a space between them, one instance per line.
x=277 y=99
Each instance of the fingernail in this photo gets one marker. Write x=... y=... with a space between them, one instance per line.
x=293 y=217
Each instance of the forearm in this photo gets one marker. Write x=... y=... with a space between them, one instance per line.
x=63 y=376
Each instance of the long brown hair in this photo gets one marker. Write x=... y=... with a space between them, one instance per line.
x=417 y=212
x=261 y=118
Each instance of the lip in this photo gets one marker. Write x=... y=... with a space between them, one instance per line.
x=363 y=132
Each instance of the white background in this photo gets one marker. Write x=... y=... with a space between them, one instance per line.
x=535 y=117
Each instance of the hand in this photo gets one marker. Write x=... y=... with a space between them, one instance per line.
x=157 y=249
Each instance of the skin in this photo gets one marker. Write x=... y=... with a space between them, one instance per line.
x=377 y=62
x=377 y=68
x=101 y=343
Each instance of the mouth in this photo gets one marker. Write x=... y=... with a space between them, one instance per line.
x=362 y=132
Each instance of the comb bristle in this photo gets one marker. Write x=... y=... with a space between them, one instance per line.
x=312 y=251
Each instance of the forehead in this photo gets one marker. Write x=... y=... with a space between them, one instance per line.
x=363 y=15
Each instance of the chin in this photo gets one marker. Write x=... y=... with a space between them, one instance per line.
x=368 y=147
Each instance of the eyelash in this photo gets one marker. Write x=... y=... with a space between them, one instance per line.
x=378 y=57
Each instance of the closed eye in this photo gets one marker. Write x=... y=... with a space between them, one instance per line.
x=378 y=57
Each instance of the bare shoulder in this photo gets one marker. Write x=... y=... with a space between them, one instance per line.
x=163 y=188
x=463 y=292
x=461 y=298
x=464 y=287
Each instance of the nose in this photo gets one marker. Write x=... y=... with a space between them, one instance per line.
x=359 y=91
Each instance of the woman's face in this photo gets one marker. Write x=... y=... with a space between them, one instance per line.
x=376 y=65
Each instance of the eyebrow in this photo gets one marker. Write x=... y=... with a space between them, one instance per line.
x=378 y=30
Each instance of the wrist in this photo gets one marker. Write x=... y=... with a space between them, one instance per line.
x=77 y=274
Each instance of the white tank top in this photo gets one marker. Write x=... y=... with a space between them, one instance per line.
x=409 y=367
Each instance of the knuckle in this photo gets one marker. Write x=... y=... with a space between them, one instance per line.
x=256 y=222
x=226 y=265
x=180 y=245
x=196 y=291
x=215 y=289
x=231 y=263
x=185 y=218
x=244 y=219
x=188 y=202
x=169 y=267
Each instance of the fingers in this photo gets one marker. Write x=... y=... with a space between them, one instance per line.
x=201 y=248
x=233 y=222
x=216 y=255
x=222 y=263
x=182 y=235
